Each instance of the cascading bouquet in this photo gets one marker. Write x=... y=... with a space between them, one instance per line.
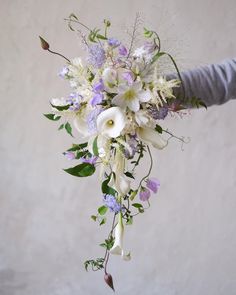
x=118 y=99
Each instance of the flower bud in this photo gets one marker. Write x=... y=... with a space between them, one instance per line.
x=44 y=44
x=108 y=279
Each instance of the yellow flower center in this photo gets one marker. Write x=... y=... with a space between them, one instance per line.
x=129 y=94
x=110 y=122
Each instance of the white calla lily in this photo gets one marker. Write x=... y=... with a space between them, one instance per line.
x=149 y=135
x=117 y=248
x=119 y=181
x=111 y=122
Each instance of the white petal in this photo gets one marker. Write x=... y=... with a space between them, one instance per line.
x=116 y=116
x=133 y=104
x=144 y=95
x=151 y=136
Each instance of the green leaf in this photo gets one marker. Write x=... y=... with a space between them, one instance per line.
x=101 y=37
x=81 y=170
x=61 y=108
x=130 y=220
x=95 y=146
x=61 y=127
x=77 y=147
x=130 y=175
x=94 y=217
x=52 y=117
x=72 y=15
x=68 y=128
x=137 y=205
x=158 y=128
x=103 y=221
x=102 y=210
x=148 y=33
x=157 y=56
x=106 y=189
x=133 y=195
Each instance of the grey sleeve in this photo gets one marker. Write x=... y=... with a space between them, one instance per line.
x=214 y=84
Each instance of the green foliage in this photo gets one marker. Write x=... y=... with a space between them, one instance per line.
x=96 y=264
x=52 y=117
x=139 y=207
x=158 y=128
x=106 y=189
x=68 y=128
x=81 y=170
x=94 y=217
x=77 y=147
x=129 y=220
x=108 y=243
x=95 y=146
x=61 y=108
x=102 y=210
x=157 y=56
x=196 y=102
x=129 y=174
x=61 y=127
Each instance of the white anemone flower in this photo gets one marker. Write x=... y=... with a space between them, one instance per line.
x=117 y=248
x=151 y=136
x=111 y=122
x=131 y=96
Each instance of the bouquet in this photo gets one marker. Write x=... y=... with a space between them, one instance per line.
x=118 y=100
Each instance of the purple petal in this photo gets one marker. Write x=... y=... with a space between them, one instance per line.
x=153 y=184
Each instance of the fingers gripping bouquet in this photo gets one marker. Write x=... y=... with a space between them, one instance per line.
x=116 y=105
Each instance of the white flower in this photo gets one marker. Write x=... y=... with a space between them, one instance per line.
x=117 y=248
x=80 y=121
x=151 y=136
x=119 y=181
x=109 y=77
x=142 y=118
x=131 y=96
x=111 y=122
x=163 y=89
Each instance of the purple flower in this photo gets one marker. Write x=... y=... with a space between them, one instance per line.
x=92 y=119
x=128 y=77
x=63 y=72
x=111 y=202
x=97 y=98
x=96 y=56
x=132 y=142
x=149 y=47
x=158 y=114
x=91 y=160
x=153 y=184
x=113 y=42
x=144 y=194
x=69 y=155
x=98 y=87
x=122 y=50
x=74 y=100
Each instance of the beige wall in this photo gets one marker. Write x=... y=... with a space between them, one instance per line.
x=185 y=244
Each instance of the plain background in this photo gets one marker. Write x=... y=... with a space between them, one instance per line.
x=186 y=243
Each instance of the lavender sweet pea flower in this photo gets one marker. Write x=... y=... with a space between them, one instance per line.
x=150 y=47
x=98 y=87
x=113 y=42
x=96 y=56
x=128 y=77
x=69 y=155
x=97 y=98
x=153 y=184
x=123 y=51
x=144 y=194
x=92 y=119
x=63 y=72
x=111 y=202
x=91 y=160
x=74 y=99
x=158 y=114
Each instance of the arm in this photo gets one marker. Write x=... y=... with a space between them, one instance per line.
x=214 y=84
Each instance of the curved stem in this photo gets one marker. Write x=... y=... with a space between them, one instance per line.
x=150 y=168
x=56 y=53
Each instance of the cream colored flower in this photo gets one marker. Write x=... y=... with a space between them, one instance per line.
x=117 y=248
x=111 y=122
x=131 y=96
x=151 y=136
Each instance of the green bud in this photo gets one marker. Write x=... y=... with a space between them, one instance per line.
x=44 y=44
x=107 y=22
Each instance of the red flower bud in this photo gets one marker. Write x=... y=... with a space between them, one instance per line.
x=108 y=279
x=44 y=44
